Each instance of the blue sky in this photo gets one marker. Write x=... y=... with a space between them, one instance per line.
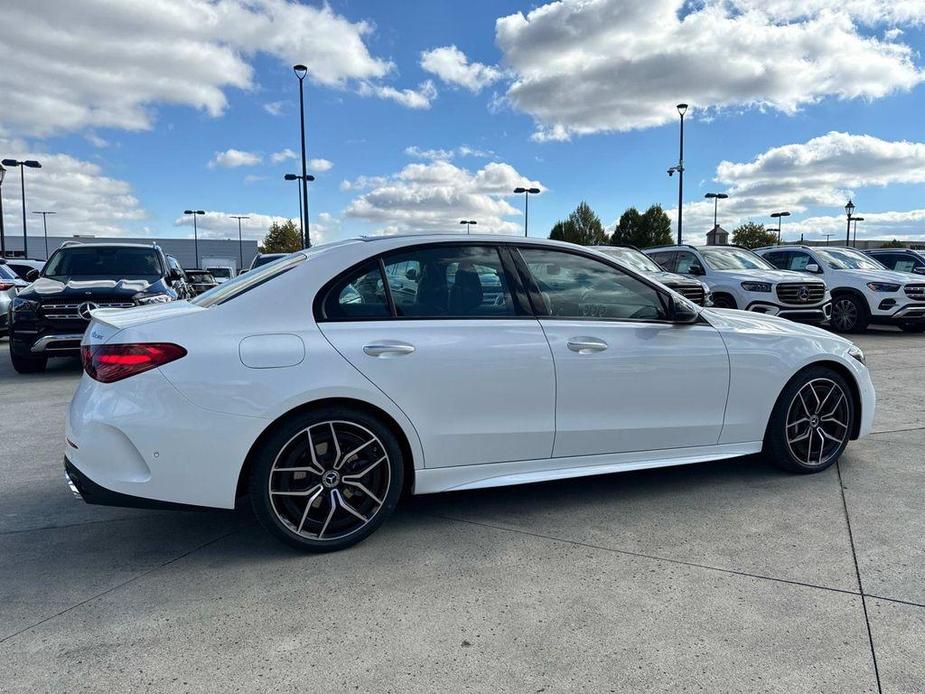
x=577 y=97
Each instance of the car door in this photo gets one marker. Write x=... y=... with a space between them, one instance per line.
x=627 y=378
x=454 y=345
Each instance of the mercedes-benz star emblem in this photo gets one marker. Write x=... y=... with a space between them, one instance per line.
x=804 y=294
x=84 y=309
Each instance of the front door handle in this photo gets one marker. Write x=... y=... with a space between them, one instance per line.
x=388 y=348
x=586 y=345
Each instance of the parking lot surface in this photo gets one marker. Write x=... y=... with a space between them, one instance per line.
x=720 y=577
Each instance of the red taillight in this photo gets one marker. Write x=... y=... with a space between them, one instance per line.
x=6 y=285
x=109 y=363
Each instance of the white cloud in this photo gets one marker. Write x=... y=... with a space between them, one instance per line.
x=282 y=155
x=585 y=66
x=453 y=67
x=274 y=108
x=320 y=165
x=820 y=173
x=232 y=158
x=447 y=154
x=434 y=196
x=219 y=225
x=106 y=63
x=96 y=140
x=85 y=200
x=870 y=12
x=419 y=98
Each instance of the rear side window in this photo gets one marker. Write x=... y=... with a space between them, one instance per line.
x=361 y=294
x=665 y=259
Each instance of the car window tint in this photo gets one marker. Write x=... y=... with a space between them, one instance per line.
x=798 y=261
x=684 y=262
x=901 y=264
x=359 y=295
x=573 y=286
x=449 y=282
x=665 y=259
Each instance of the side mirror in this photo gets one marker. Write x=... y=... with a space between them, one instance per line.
x=812 y=267
x=695 y=270
x=33 y=275
x=174 y=275
x=683 y=312
x=920 y=270
x=411 y=274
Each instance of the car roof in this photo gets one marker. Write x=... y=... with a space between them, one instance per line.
x=113 y=244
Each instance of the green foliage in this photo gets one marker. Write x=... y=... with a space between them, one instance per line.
x=583 y=227
x=894 y=244
x=281 y=238
x=752 y=235
x=651 y=228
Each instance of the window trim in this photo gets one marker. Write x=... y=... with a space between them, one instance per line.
x=521 y=306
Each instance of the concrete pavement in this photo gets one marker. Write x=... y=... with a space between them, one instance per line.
x=729 y=576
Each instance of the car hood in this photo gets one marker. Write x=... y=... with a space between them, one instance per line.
x=731 y=320
x=47 y=287
x=879 y=276
x=768 y=276
x=672 y=278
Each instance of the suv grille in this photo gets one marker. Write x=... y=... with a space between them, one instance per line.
x=66 y=309
x=693 y=292
x=801 y=293
x=916 y=291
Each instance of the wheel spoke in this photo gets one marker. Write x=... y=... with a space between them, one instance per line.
x=841 y=396
x=308 y=506
x=352 y=453
x=296 y=469
x=834 y=421
x=828 y=436
x=327 y=520
x=821 y=446
x=336 y=444
x=358 y=475
x=306 y=492
x=809 y=447
x=803 y=402
x=311 y=450
x=348 y=508
x=801 y=437
x=801 y=420
x=362 y=488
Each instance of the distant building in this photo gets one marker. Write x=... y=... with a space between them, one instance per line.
x=864 y=243
x=181 y=249
x=717 y=236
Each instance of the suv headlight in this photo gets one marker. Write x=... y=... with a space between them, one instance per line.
x=20 y=304
x=855 y=351
x=764 y=287
x=882 y=287
x=142 y=299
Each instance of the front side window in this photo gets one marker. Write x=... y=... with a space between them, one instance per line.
x=574 y=286
x=449 y=282
x=103 y=262
x=665 y=259
x=686 y=260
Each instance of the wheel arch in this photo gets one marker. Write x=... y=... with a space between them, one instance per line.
x=387 y=419
x=726 y=294
x=836 y=291
x=842 y=371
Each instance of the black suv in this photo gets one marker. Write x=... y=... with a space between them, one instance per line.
x=900 y=259
x=48 y=318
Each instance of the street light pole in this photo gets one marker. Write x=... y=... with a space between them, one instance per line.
x=195 y=214
x=779 y=216
x=468 y=222
x=827 y=237
x=527 y=193
x=32 y=164
x=716 y=197
x=306 y=179
x=2 y=233
x=239 y=217
x=682 y=109
x=45 y=214
x=300 y=72
x=856 y=220
x=849 y=210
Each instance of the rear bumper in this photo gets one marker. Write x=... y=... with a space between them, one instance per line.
x=57 y=343
x=92 y=493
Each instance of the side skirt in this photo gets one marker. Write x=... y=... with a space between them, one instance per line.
x=432 y=480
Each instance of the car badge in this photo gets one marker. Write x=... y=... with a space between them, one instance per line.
x=84 y=309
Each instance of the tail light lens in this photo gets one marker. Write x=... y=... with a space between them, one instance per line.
x=6 y=285
x=110 y=363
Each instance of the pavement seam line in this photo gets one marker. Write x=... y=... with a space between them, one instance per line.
x=120 y=585
x=895 y=431
x=681 y=562
x=857 y=570
x=65 y=526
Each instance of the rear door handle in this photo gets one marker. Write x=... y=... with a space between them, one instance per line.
x=388 y=348
x=586 y=345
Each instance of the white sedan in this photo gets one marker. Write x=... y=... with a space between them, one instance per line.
x=330 y=382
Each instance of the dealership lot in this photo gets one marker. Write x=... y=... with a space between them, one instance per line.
x=729 y=576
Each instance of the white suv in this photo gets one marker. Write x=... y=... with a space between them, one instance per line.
x=863 y=290
x=738 y=278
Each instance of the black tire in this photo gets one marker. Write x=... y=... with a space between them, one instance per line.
x=337 y=501
x=27 y=365
x=849 y=314
x=723 y=301
x=912 y=327
x=782 y=439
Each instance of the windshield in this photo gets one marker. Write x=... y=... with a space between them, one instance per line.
x=242 y=283
x=734 y=259
x=220 y=271
x=848 y=259
x=200 y=277
x=104 y=262
x=7 y=274
x=633 y=259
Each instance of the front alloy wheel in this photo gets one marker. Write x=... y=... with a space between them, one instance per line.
x=325 y=482
x=848 y=314
x=812 y=421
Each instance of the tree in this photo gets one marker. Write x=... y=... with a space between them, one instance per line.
x=894 y=244
x=583 y=227
x=651 y=228
x=281 y=238
x=752 y=235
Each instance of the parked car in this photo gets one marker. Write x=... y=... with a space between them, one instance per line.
x=312 y=385
x=48 y=318
x=633 y=258
x=178 y=279
x=863 y=290
x=899 y=259
x=264 y=258
x=200 y=281
x=222 y=268
x=10 y=286
x=220 y=273
x=23 y=266
x=738 y=278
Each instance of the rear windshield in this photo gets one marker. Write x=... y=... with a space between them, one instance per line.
x=104 y=262
x=242 y=283
x=264 y=259
x=7 y=274
x=220 y=271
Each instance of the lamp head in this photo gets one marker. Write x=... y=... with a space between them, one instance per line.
x=2 y=174
x=10 y=162
x=309 y=178
x=291 y=177
x=722 y=196
x=849 y=208
x=533 y=191
x=299 y=70
x=32 y=164
x=520 y=190
x=682 y=109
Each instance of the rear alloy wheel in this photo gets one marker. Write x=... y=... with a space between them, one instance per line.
x=27 y=365
x=723 y=301
x=849 y=314
x=812 y=421
x=325 y=481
